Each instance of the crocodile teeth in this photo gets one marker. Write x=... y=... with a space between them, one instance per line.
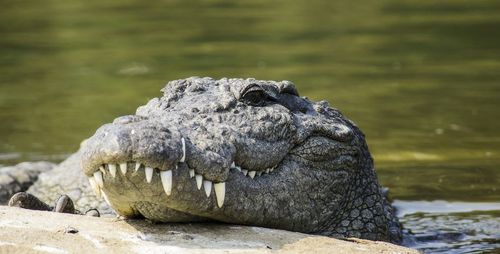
x=267 y=171
x=259 y=173
x=98 y=179
x=233 y=165
x=191 y=173
x=208 y=187
x=112 y=169
x=199 y=180
x=105 y=197
x=220 y=192
x=244 y=171
x=94 y=186
x=123 y=168
x=102 y=169
x=238 y=168
x=251 y=174
x=183 y=150
x=149 y=174
x=166 y=181
x=137 y=166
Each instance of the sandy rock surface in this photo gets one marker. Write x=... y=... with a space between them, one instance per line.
x=25 y=231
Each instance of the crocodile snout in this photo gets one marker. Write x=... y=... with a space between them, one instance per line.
x=142 y=142
x=126 y=145
x=136 y=154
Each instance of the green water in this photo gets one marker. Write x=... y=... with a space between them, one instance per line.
x=421 y=78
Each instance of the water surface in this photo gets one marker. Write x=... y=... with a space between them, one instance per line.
x=421 y=79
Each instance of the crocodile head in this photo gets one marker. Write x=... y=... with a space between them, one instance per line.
x=240 y=151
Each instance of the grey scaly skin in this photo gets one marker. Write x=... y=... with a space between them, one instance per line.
x=65 y=178
x=20 y=177
x=241 y=151
x=238 y=151
x=63 y=204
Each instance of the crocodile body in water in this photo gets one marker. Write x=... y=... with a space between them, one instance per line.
x=240 y=151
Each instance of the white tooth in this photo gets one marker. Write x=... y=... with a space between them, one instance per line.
x=238 y=168
x=244 y=171
x=123 y=168
x=199 y=180
x=98 y=179
x=105 y=197
x=259 y=173
x=166 y=181
x=208 y=187
x=102 y=169
x=251 y=174
x=112 y=169
x=233 y=165
x=95 y=187
x=271 y=170
x=220 y=192
x=137 y=166
x=149 y=174
x=191 y=173
x=267 y=171
x=183 y=150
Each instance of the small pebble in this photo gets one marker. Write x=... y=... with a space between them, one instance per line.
x=70 y=230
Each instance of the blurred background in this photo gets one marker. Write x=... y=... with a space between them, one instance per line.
x=420 y=78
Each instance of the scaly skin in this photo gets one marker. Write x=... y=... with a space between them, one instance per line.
x=20 y=177
x=322 y=179
x=267 y=157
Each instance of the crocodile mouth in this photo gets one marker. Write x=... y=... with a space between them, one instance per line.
x=106 y=175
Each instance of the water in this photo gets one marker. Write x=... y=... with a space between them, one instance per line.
x=421 y=79
x=450 y=227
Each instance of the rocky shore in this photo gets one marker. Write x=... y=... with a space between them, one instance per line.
x=25 y=231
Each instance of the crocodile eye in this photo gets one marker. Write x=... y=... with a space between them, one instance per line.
x=254 y=95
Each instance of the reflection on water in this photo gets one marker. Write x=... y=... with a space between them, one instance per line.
x=420 y=78
x=440 y=206
x=450 y=227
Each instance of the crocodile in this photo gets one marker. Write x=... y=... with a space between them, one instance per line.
x=239 y=151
